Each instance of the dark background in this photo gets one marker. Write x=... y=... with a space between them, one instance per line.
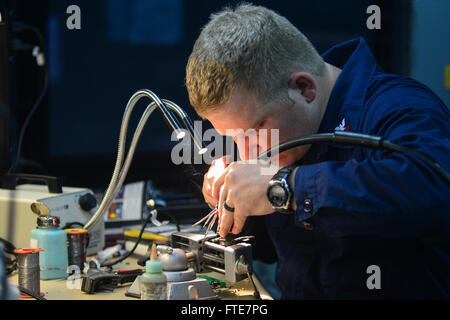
x=124 y=46
x=127 y=45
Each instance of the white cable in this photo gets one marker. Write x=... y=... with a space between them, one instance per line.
x=120 y=172
x=118 y=166
x=123 y=173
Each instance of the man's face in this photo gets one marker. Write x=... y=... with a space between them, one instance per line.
x=243 y=112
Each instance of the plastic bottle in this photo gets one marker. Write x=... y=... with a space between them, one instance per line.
x=153 y=281
x=48 y=236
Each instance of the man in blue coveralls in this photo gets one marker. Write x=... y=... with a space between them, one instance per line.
x=356 y=222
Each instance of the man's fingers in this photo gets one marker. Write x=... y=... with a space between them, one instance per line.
x=238 y=222
x=222 y=197
x=210 y=205
x=227 y=160
x=210 y=201
x=217 y=186
x=225 y=217
x=226 y=222
x=206 y=190
x=215 y=176
x=238 y=219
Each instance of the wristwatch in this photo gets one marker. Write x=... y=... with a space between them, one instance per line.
x=279 y=192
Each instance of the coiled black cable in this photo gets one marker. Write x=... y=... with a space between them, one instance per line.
x=355 y=139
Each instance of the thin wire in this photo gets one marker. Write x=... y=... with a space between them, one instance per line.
x=211 y=224
x=23 y=27
x=111 y=263
x=210 y=218
x=256 y=293
x=205 y=217
x=27 y=121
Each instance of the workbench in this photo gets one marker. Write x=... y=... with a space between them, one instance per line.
x=64 y=289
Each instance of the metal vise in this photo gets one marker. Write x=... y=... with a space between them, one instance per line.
x=231 y=258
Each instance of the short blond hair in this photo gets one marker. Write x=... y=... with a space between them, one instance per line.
x=250 y=47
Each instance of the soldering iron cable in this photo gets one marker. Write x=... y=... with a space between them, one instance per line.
x=356 y=139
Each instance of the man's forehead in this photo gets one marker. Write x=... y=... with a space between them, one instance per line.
x=239 y=112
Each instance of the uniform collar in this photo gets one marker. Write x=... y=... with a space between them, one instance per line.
x=358 y=65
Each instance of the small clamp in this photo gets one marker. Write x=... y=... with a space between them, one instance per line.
x=106 y=280
x=128 y=275
x=99 y=281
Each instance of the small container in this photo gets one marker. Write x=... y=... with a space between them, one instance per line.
x=77 y=242
x=29 y=272
x=153 y=281
x=48 y=236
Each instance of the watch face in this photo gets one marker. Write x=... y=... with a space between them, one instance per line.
x=278 y=195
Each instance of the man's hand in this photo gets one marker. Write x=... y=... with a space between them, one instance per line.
x=243 y=186
x=215 y=171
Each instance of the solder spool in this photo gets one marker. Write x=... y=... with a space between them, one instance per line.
x=77 y=242
x=29 y=270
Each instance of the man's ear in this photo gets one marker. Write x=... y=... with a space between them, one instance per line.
x=305 y=83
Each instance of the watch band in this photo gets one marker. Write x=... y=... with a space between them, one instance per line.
x=283 y=175
x=284 y=172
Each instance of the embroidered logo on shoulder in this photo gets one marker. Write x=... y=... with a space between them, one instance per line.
x=342 y=126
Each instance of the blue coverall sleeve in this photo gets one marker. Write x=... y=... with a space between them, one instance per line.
x=384 y=193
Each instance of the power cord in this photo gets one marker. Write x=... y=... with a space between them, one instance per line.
x=256 y=293
x=129 y=253
x=355 y=139
x=38 y=53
